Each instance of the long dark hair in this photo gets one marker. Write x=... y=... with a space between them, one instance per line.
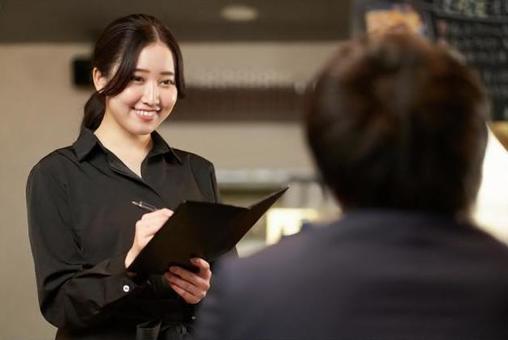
x=120 y=44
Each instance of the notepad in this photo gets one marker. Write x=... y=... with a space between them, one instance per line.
x=199 y=229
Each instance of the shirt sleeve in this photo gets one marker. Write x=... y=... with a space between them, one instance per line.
x=72 y=293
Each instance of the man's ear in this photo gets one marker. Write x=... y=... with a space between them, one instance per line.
x=99 y=80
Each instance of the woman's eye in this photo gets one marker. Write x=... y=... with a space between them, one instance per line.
x=136 y=79
x=168 y=82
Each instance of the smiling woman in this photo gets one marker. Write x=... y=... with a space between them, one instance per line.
x=145 y=102
x=147 y=99
x=124 y=44
x=84 y=231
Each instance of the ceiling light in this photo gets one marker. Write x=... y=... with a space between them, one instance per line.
x=239 y=13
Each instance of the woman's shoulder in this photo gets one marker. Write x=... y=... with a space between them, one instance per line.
x=55 y=161
x=203 y=171
x=193 y=159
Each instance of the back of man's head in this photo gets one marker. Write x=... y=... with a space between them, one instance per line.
x=397 y=122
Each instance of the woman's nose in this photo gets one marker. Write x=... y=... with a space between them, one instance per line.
x=151 y=94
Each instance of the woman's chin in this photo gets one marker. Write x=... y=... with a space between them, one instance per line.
x=141 y=130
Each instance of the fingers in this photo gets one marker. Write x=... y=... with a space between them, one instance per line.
x=157 y=214
x=192 y=287
x=188 y=297
x=152 y=222
x=189 y=291
x=146 y=227
x=200 y=279
x=204 y=268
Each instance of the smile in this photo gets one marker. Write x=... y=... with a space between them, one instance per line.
x=146 y=113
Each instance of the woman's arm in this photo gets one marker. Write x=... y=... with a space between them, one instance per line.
x=72 y=292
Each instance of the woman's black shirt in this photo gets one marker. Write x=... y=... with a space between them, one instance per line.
x=81 y=225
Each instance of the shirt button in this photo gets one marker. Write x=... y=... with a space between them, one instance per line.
x=126 y=288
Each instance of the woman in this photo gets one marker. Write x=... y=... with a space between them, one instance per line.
x=83 y=229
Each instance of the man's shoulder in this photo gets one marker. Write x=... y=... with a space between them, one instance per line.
x=344 y=242
x=281 y=261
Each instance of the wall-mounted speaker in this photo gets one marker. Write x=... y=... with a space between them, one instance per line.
x=82 y=72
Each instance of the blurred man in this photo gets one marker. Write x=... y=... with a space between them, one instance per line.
x=397 y=129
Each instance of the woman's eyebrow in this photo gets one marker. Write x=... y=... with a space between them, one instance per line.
x=164 y=73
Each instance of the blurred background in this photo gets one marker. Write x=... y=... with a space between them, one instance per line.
x=246 y=65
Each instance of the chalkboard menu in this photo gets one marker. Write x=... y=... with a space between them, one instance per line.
x=476 y=28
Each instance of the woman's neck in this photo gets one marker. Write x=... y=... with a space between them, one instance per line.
x=116 y=137
x=131 y=149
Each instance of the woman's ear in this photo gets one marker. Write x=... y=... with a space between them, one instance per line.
x=99 y=80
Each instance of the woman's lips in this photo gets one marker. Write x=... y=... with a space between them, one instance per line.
x=146 y=115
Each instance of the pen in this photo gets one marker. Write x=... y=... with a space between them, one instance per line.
x=144 y=205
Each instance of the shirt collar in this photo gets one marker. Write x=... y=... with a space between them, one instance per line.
x=87 y=141
x=160 y=147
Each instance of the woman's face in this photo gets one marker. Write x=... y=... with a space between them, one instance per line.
x=150 y=95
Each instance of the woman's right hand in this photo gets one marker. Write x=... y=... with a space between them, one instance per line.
x=146 y=227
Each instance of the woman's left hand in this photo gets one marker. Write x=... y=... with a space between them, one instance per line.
x=192 y=287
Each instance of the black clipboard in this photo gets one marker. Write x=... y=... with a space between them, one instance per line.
x=199 y=229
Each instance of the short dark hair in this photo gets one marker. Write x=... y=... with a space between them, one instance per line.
x=120 y=44
x=395 y=121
